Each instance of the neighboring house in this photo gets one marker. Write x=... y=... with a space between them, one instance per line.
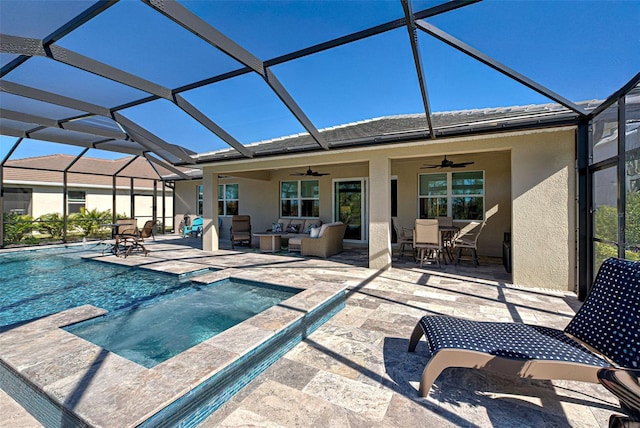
x=34 y=186
x=521 y=181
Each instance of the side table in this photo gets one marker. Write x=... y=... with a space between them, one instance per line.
x=269 y=242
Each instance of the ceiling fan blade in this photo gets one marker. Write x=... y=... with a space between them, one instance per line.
x=430 y=166
x=462 y=164
x=310 y=173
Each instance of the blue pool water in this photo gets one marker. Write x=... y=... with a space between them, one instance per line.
x=152 y=333
x=38 y=283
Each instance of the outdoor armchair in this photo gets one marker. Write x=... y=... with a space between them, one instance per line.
x=195 y=228
x=328 y=242
x=240 y=230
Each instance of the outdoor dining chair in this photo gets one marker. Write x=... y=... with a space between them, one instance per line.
x=467 y=240
x=427 y=241
x=404 y=236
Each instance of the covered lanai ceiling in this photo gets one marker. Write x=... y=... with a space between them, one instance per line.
x=196 y=81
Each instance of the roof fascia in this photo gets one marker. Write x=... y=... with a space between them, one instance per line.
x=485 y=59
x=389 y=141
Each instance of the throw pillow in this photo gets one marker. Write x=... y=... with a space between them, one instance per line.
x=309 y=227
x=314 y=232
x=293 y=228
x=276 y=227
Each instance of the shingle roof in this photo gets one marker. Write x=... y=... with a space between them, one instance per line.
x=395 y=129
x=94 y=172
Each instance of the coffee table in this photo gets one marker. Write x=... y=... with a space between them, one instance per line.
x=269 y=242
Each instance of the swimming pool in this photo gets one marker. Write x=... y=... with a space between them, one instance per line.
x=164 y=327
x=36 y=283
x=46 y=369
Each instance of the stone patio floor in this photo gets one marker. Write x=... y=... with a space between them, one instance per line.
x=355 y=371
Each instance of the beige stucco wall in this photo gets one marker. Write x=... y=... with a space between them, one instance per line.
x=49 y=199
x=529 y=190
x=543 y=186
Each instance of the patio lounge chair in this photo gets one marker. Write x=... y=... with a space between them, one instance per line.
x=240 y=230
x=194 y=229
x=603 y=333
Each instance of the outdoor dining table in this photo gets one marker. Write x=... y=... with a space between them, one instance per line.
x=448 y=234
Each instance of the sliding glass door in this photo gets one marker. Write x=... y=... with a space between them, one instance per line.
x=349 y=207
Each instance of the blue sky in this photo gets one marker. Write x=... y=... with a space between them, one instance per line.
x=580 y=49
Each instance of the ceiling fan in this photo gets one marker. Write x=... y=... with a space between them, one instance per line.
x=446 y=163
x=310 y=173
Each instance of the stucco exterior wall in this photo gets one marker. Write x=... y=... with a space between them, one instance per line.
x=49 y=199
x=543 y=185
x=529 y=191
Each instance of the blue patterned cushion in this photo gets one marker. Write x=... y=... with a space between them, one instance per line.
x=310 y=226
x=276 y=227
x=609 y=319
x=507 y=340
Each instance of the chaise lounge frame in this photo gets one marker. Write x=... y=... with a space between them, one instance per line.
x=603 y=333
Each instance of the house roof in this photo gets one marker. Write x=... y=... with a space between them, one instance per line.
x=85 y=171
x=400 y=128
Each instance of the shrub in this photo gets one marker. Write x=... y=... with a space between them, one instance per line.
x=51 y=224
x=16 y=227
x=89 y=220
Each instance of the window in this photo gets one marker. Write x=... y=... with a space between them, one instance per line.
x=199 y=199
x=76 y=200
x=300 y=198
x=228 y=199
x=17 y=200
x=456 y=194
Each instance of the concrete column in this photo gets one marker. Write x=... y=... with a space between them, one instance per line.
x=379 y=212
x=210 y=233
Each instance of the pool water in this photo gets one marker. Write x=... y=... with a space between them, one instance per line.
x=41 y=282
x=153 y=333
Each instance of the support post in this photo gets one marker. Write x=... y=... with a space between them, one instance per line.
x=210 y=232
x=380 y=213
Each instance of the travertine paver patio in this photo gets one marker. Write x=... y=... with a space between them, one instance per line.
x=355 y=369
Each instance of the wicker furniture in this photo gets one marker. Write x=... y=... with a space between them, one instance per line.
x=328 y=242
